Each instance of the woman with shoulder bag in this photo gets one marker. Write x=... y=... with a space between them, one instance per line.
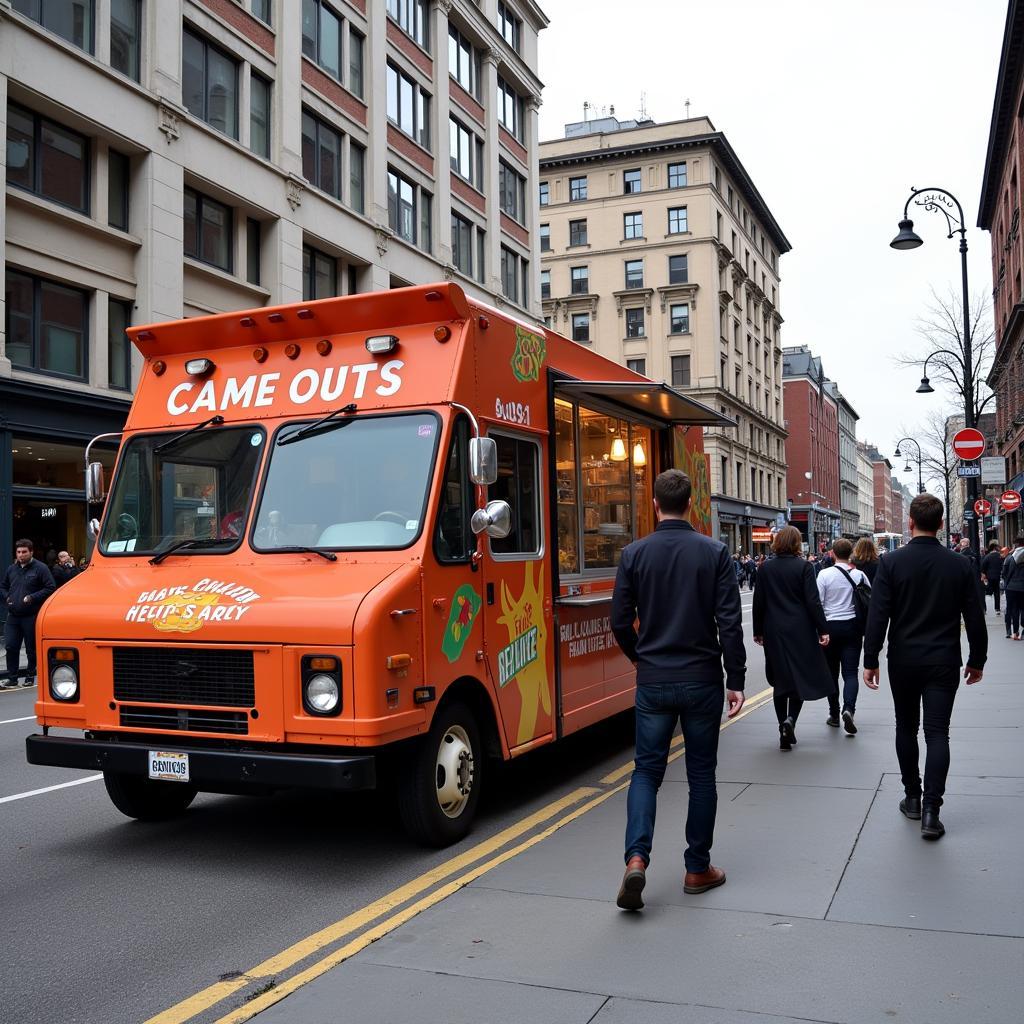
x=1013 y=580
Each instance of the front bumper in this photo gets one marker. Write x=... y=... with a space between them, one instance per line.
x=210 y=767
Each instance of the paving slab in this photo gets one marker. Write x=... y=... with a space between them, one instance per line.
x=816 y=970
x=637 y=1011
x=369 y=994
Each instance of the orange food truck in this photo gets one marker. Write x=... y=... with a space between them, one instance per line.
x=369 y=532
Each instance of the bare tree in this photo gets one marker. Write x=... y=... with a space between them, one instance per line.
x=938 y=460
x=941 y=333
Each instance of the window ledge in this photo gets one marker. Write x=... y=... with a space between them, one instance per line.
x=679 y=234
x=579 y=245
x=216 y=274
x=639 y=238
x=19 y=197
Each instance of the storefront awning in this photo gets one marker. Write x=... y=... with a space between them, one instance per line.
x=656 y=401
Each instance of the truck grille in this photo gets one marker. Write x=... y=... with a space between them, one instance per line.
x=185 y=719
x=188 y=675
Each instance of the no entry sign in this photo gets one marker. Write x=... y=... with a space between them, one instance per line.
x=1010 y=501
x=969 y=444
x=982 y=507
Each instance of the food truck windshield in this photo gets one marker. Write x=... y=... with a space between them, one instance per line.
x=355 y=483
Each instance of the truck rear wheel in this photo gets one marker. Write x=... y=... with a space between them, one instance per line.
x=439 y=786
x=148 y=799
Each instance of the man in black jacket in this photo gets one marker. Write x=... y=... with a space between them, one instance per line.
x=24 y=587
x=682 y=587
x=919 y=594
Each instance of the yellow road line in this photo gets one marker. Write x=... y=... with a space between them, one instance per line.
x=213 y=994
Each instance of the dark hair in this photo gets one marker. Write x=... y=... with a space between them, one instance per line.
x=672 y=490
x=926 y=511
x=24 y=543
x=842 y=548
x=993 y=545
x=788 y=541
x=865 y=551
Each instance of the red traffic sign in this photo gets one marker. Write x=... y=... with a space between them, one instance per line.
x=969 y=444
x=1010 y=501
x=982 y=507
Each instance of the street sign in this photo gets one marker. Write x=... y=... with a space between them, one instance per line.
x=969 y=444
x=982 y=507
x=971 y=469
x=969 y=515
x=1010 y=501
x=761 y=535
x=993 y=469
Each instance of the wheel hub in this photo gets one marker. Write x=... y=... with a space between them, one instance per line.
x=455 y=771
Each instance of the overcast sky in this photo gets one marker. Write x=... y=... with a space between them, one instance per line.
x=836 y=111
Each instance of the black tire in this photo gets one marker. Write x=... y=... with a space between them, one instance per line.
x=423 y=781
x=148 y=799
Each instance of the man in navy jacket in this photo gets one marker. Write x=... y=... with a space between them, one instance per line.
x=682 y=587
x=23 y=589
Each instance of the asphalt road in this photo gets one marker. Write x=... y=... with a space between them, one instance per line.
x=104 y=919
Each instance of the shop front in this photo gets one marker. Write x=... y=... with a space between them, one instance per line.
x=735 y=522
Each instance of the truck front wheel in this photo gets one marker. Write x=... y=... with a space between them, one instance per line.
x=148 y=799
x=439 y=785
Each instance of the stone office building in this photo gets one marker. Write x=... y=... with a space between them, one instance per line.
x=170 y=158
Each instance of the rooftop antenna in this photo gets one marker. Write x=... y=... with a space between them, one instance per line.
x=586 y=107
x=687 y=105
x=643 y=106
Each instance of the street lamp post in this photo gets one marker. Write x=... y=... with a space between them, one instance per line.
x=942 y=201
x=899 y=454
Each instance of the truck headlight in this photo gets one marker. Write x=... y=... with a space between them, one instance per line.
x=63 y=672
x=321 y=685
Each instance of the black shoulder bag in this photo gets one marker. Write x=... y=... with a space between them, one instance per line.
x=861 y=599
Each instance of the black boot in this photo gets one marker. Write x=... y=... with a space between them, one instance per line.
x=931 y=827
x=910 y=807
x=786 y=735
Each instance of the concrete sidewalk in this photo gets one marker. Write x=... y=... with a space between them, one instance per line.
x=834 y=910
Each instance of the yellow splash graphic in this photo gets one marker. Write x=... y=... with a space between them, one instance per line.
x=183 y=616
x=524 y=620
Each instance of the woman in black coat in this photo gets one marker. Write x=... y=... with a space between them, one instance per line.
x=790 y=624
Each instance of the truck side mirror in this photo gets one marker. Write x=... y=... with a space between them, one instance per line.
x=495 y=520
x=95 y=488
x=483 y=460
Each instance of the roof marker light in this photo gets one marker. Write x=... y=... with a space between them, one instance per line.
x=433 y=296
x=381 y=344
x=305 y=314
x=292 y=350
x=324 y=347
x=276 y=318
x=259 y=354
x=158 y=367
x=247 y=321
x=442 y=333
x=199 y=367
x=484 y=323
x=145 y=336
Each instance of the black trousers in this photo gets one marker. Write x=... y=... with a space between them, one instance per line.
x=1014 y=604
x=20 y=629
x=843 y=655
x=993 y=591
x=933 y=689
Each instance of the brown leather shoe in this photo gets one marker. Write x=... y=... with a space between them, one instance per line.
x=633 y=881
x=700 y=881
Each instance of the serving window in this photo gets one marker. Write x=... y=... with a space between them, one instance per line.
x=603 y=480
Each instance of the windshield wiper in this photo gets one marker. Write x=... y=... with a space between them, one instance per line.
x=214 y=420
x=328 y=422
x=295 y=549
x=192 y=542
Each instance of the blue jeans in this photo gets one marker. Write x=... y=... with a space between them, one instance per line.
x=698 y=706
x=843 y=655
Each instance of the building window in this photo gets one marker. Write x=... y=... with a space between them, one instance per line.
x=119 y=349
x=680 y=318
x=512 y=192
x=259 y=115
x=634 y=273
x=47 y=159
x=70 y=19
x=319 y=274
x=678 y=271
x=208 y=230
x=580 y=280
x=466 y=153
x=481 y=253
x=355 y=61
x=125 y=37
x=408 y=106
x=463 y=61
x=356 y=163
x=577 y=232
x=209 y=83
x=511 y=111
x=118 y=180
x=514 y=270
x=261 y=9
x=321 y=155
x=462 y=244
x=46 y=325
x=725 y=475
x=411 y=16
x=545 y=193
x=631 y=181
x=581 y=327
x=253 y=250
x=680 y=371
x=718 y=178
x=578 y=189
x=637 y=366
x=409 y=214
x=545 y=238
x=677 y=220
x=545 y=284
x=633 y=225
x=510 y=27
x=635 y=323
x=677 y=175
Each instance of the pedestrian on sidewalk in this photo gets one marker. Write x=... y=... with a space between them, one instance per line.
x=972 y=556
x=64 y=569
x=837 y=588
x=920 y=594
x=865 y=557
x=790 y=624
x=26 y=584
x=1013 y=580
x=681 y=586
x=991 y=570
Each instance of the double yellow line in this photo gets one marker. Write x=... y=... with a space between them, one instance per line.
x=564 y=810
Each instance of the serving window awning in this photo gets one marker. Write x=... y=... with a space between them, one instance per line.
x=655 y=401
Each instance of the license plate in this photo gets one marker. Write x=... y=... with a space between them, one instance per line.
x=170 y=766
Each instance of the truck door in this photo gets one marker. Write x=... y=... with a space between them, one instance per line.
x=518 y=624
